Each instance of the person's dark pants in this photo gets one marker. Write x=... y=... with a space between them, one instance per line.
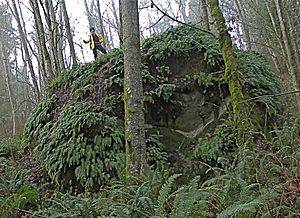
x=100 y=48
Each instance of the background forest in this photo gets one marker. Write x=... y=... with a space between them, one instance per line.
x=76 y=141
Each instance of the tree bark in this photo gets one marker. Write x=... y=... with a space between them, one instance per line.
x=240 y=111
x=8 y=86
x=102 y=31
x=120 y=26
x=53 y=34
x=26 y=51
x=133 y=90
x=88 y=14
x=60 y=42
x=205 y=14
x=292 y=62
x=244 y=24
x=49 y=74
x=69 y=34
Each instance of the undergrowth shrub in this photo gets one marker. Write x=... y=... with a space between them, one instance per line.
x=259 y=78
x=16 y=191
x=217 y=146
x=155 y=149
x=153 y=194
x=263 y=181
x=84 y=146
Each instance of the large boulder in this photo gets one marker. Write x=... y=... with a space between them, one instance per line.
x=78 y=127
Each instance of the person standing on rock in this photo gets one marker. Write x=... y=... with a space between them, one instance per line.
x=95 y=41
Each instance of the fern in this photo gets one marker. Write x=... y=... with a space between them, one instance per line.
x=242 y=210
x=164 y=195
x=187 y=202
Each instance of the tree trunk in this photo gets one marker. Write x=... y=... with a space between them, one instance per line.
x=133 y=90
x=26 y=51
x=244 y=24
x=8 y=85
x=240 y=111
x=28 y=103
x=88 y=14
x=49 y=74
x=101 y=23
x=120 y=26
x=53 y=34
x=205 y=14
x=69 y=34
x=60 y=42
x=287 y=44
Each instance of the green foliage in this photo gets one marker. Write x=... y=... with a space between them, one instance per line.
x=10 y=202
x=258 y=76
x=264 y=182
x=90 y=151
x=39 y=117
x=80 y=144
x=155 y=149
x=232 y=196
x=207 y=80
x=153 y=194
x=9 y=147
x=221 y=144
x=164 y=91
x=68 y=205
x=259 y=184
x=189 y=201
x=180 y=41
x=120 y=199
x=16 y=193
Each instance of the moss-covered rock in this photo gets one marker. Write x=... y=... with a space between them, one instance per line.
x=185 y=95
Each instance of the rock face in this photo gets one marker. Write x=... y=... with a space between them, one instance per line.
x=78 y=127
x=199 y=105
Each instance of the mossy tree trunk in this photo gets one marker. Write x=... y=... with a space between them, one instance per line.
x=240 y=110
x=133 y=90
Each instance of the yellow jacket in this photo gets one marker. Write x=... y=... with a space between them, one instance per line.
x=92 y=41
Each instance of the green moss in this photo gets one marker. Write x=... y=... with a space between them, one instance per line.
x=240 y=111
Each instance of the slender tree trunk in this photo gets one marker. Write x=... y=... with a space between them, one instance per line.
x=244 y=24
x=8 y=86
x=182 y=9
x=49 y=74
x=294 y=44
x=205 y=14
x=60 y=42
x=4 y=56
x=28 y=105
x=278 y=38
x=287 y=44
x=69 y=34
x=133 y=90
x=111 y=38
x=88 y=14
x=120 y=26
x=26 y=51
x=240 y=111
x=53 y=34
x=101 y=23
